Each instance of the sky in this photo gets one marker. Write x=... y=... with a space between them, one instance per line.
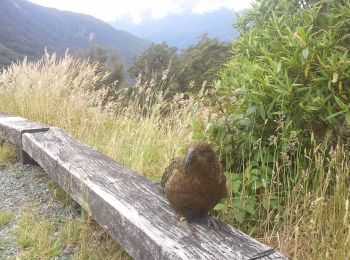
x=139 y=10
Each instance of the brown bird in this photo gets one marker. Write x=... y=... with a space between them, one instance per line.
x=195 y=183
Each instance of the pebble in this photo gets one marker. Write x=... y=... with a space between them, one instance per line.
x=21 y=187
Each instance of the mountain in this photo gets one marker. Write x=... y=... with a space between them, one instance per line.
x=182 y=30
x=26 y=29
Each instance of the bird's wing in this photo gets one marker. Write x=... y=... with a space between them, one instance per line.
x=170 y=170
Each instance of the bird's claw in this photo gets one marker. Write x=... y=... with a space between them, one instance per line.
x=211 y=222
x=186 y=226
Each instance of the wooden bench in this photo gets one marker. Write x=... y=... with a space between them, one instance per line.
x=133 y=209
x=12 y=128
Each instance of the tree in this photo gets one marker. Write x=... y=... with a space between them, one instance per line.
x=154 y=61
x=202 y=61
x=109 y=61
x=185 y=72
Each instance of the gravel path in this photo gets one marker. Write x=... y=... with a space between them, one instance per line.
x=21 y=188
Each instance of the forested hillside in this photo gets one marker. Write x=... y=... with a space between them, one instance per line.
x=26 y=29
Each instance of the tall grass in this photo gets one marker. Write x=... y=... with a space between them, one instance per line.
x=70 y=94
x=143 y=131
x=311 y=220
x=314 y=221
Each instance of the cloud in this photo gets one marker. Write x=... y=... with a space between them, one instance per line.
x=137 y=10
x=204 y=6
x=109 y=10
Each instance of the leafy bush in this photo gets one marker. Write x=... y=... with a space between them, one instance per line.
x=286 y=88
x=201 y=62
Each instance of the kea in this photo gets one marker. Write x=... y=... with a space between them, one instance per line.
x=194 y=184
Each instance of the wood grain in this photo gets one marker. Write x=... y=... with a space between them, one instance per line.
x=12 y=128
x=133 y=209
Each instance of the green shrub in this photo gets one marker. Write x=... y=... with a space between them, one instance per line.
x=286 y=88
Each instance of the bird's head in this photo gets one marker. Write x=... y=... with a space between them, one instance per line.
x=198 y=155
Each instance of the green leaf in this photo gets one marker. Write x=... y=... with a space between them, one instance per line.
x=236 y=185
x=220 y=206
x=279 y=65
x=237 y=203
x=255 y=172
x=240 y=216
x=347 y=118
x=335 y=114
x=339 y=102
x=270 y=202
x=249 y=206
x=305 y=53
x=250 y=209
x=250 y=110
x=262 y=113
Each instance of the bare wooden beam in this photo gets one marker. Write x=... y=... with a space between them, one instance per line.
x=12 y=128
x=133 y=209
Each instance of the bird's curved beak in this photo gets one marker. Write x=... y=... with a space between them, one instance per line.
x=188 y=159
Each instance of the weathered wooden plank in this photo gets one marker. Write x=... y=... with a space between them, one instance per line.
x=133 y=209
x=12 y=128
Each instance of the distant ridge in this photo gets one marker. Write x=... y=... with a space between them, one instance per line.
x=182 y=30
x=26 y=29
